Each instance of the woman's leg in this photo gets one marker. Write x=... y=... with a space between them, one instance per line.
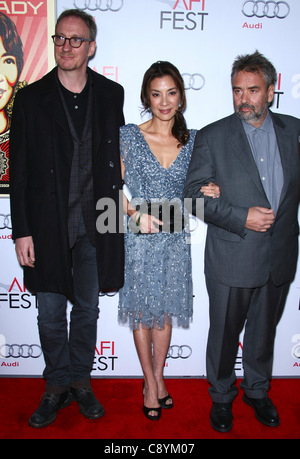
x=161 y=342
x=143 y=343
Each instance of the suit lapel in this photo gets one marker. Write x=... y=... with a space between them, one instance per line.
x=243 y=151
x=283 y=142
x=241 y=148
x=98 y=112
x=50 y=101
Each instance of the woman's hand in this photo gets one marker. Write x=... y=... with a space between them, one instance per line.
x=211 y=190
x=147 y=223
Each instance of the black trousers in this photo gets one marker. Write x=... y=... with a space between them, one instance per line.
x=69 y=350
x=260 y=310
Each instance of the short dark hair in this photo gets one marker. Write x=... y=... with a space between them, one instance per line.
x=158 y=70
x=87 y=19
x=255 y=63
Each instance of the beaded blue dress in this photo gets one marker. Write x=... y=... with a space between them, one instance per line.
x=158 y=273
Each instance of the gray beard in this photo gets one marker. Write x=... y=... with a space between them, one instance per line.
x=252 y=117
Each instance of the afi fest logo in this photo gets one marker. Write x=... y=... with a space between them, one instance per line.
x=185 y=15
x=105 y=356
x=17 y=297
x=278 y=92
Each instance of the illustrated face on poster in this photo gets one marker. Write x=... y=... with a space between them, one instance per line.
x=24 y=58
x=9 y=74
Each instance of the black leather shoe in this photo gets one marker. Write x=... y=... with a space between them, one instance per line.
x=221 y=417
x=265 y=411
x=49 y=406
x=88 y=404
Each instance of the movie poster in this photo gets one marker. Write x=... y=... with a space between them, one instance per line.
x=26 y=54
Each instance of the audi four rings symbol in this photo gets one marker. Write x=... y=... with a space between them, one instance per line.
x=269 y=10
x=194 y=81
x=179 y=352
x=17 y=351
x=101 y=5
x=5 y=222
x=296 y=352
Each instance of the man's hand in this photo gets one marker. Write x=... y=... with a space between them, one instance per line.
x=260 y=219
x=25 y=251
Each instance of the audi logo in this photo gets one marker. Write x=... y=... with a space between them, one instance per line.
x=100 y=5
x=261 y=9
x=5 y=222
x=194 y=81
x=17 y=351
x=296 y=348
x=179 y=352
x=296 y=352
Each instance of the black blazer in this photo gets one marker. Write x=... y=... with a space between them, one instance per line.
x=234 y=255
x=41 y=150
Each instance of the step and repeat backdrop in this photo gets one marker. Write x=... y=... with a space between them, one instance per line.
x=202 y=38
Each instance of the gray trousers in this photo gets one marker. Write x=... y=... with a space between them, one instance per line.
x=260 y=310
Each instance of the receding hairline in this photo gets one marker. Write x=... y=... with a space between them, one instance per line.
x=86 y=18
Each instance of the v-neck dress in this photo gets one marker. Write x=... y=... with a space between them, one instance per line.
x=158 y=272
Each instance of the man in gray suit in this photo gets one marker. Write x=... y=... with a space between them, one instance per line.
x=252 y=235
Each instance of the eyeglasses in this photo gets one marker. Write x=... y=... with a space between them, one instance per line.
x=75 y=42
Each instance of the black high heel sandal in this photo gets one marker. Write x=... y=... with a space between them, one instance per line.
x=149 y=416
x=147 y=410
x=163 y=404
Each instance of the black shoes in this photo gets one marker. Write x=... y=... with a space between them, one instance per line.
x=163 y=402
x=265 y=411
x=89 y=406
x=147 y=412
x=221 y=417
x=49 y=406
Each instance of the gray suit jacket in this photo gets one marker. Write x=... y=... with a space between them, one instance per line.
x=234 y=255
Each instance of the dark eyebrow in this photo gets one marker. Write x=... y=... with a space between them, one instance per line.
x=250 y=87
x=170 y=89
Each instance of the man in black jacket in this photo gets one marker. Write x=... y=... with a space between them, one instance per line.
x=64 y=157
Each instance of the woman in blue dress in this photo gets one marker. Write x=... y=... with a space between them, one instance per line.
x=158 y=276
